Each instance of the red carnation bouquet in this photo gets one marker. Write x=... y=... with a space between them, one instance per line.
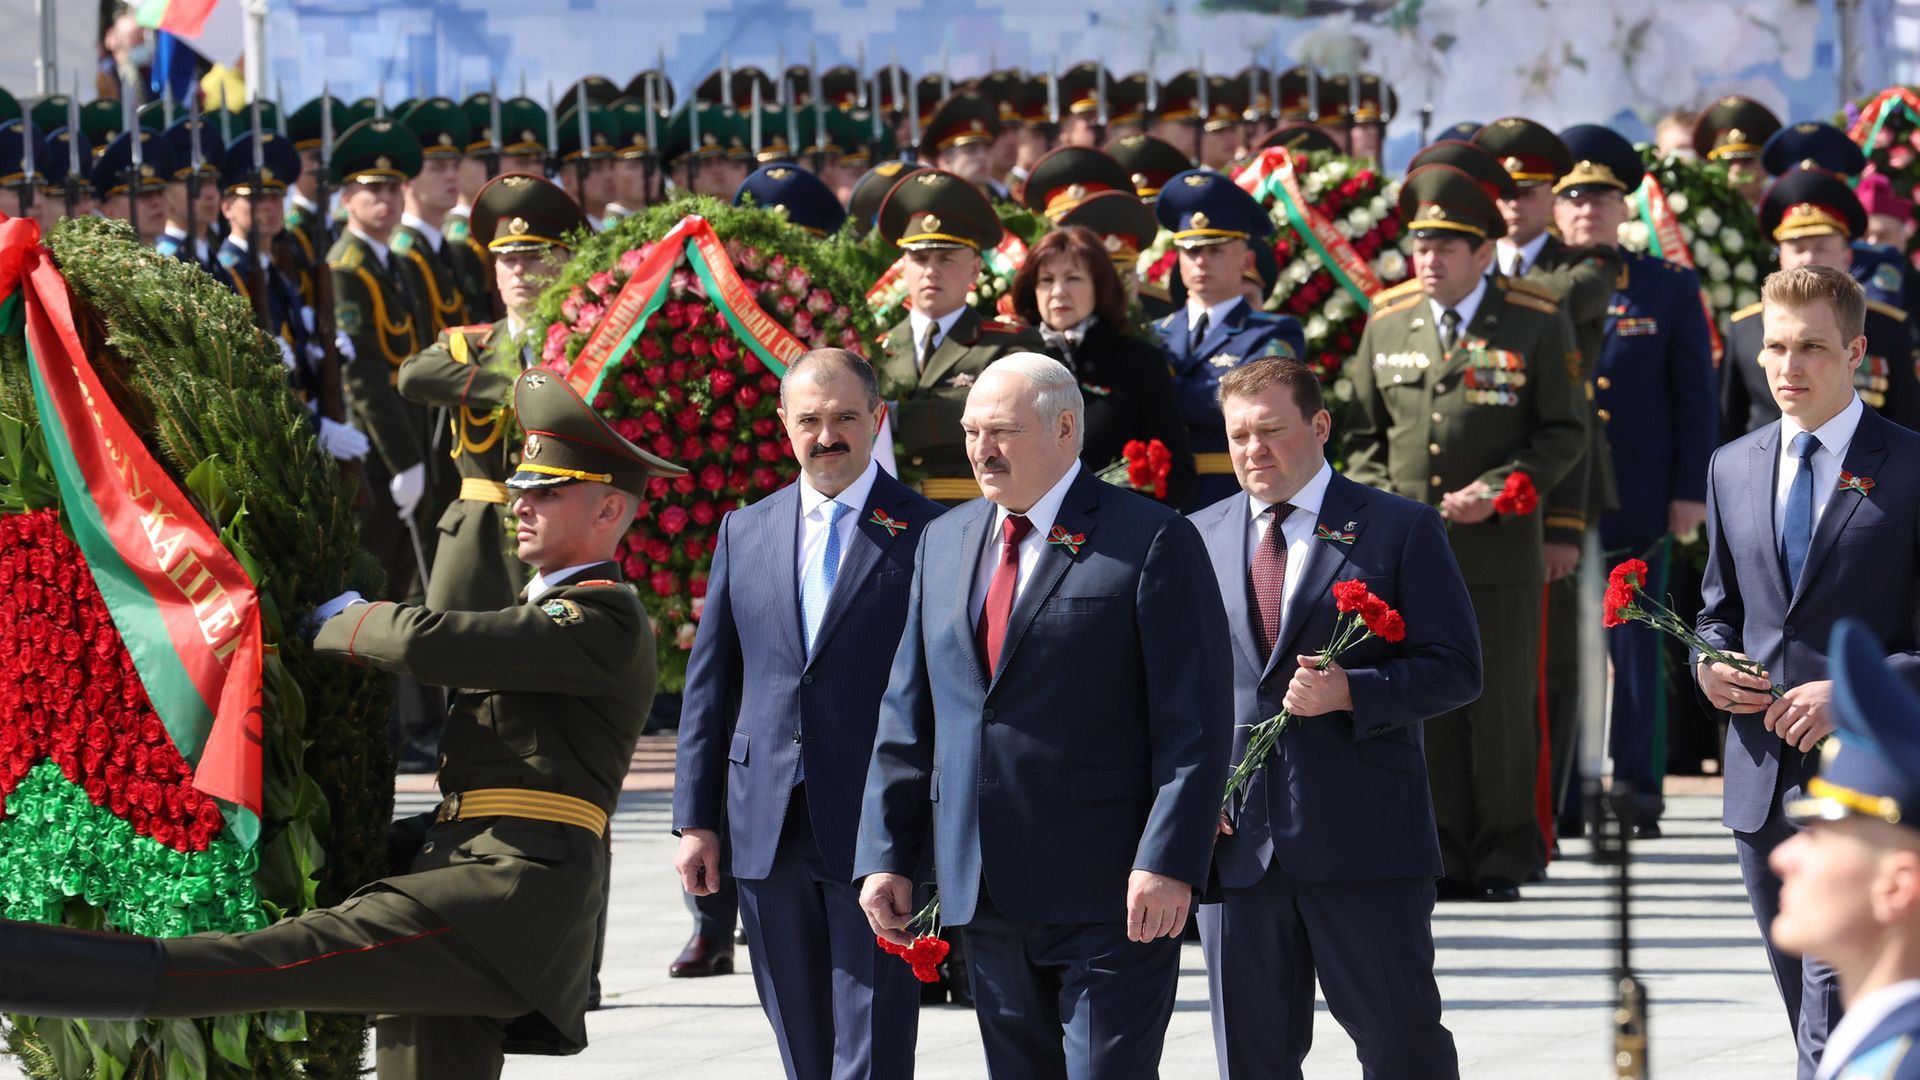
x=1142 y=466
x=1362 y=615
x=1517 y=497
x=927 y=951
x=1627 y=601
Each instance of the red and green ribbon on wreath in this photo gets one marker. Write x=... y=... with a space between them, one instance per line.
x=1271 y=175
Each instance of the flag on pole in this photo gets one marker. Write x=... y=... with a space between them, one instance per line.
x=185 y=17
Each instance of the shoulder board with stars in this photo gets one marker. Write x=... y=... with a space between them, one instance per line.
x=1256 y=315
x=351 y=256
x=1533 y=299
x=1884 y=308
x=1399 y=298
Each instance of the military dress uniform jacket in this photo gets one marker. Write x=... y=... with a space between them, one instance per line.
x=375 y=314
x=287 y=314
x=1888 y=378
x=472 y=267
x=1655 y=392
x=1426 y=422
x=1243 y=334
x=549 y=696
x=469 y=372
x=928 y=403
x=306 y=234
x=438 y=302
x=1585 y=278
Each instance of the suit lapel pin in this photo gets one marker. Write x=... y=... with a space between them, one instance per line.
x=1060 y=537
x=893 y=525
x=1858 y=484
x=1339 y=536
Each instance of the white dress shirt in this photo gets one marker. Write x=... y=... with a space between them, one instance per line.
x=432 y=232
x=1214 y=314
x=1297 y=530
x=1468 y=308
x=1835 y=435
x=379 y=249
x=813 y=517
x=540 y=584
x=1530 y=251
x=1861 y=1018
x=178 y=233
x=917 y=323
x=1041 y=515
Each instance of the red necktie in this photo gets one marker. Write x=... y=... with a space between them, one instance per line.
x=1268 y=578
x=991 y=633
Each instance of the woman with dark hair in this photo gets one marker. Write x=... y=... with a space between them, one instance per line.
x=1071 y=292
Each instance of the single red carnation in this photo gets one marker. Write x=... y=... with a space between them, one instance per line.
x=1349 y=595
x=1517 y=496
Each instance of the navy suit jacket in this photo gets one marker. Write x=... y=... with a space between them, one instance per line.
x=1100 y=746
x=756 y=703
x=1655 y=384
x=1344 y=796
x=1864 y=562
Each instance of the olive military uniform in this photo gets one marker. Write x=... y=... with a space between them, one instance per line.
x=1427 y=421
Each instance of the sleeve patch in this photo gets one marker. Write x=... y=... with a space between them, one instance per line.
x=348 y=317
x=563 y=612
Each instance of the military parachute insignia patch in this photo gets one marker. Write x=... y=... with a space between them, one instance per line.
x=563 y=612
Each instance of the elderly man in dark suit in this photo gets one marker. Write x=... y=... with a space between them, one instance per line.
x=1055 y=734
x=1811 y=518
x=1328 y=858
x=808 y=586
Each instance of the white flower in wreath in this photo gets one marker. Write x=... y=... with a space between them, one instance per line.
x=1635 y=234
x=1733 y=243
x=1339 y=305
x=1312 y=189
x=1298 y=271
x=1746 y=298
x=1316 y=327
x=1702 y=253
x=1344 y=228
x=1391 y=264
x=1379 y=206
x=1677 y=202
x=1360 y=219
x=1687 y=233
x=1722 y=295
x=1708 y=222
x=1720 y=270
x=1335 y=170
x=1342 y=390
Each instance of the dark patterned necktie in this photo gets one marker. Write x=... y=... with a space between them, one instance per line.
x=1268 y=579
x=1199 y=334
x=1449 y=329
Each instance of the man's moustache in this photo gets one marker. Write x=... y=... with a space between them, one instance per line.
x=822 y=450
x=993 y=464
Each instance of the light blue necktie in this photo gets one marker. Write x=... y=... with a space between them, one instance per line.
x=817 y=588
x=1796 y=531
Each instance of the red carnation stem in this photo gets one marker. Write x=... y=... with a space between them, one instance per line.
x=1642 y=608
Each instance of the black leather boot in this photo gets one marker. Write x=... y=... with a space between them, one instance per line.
x=59 y=972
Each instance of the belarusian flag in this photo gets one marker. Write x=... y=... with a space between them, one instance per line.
x=184 y=17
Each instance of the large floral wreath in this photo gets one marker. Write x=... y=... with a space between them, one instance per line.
x=694 y=389
x=107 y=822
x=1685 y=212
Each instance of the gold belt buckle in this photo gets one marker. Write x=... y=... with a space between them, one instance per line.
x=449 y=808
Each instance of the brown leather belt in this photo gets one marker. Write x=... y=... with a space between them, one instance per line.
x=523 y=803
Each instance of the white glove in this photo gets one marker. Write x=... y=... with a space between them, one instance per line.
x=318 y=617
x=343 y=345
x=286 y=352
x=343 y=442
x=407 y=488
x=306 y=317
x=314 y=352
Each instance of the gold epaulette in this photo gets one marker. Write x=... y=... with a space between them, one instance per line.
x=1532 y=297
x=1884 y=308
x=1398 y=297
x=1746 y=312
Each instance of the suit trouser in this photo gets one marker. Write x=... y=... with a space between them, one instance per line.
x=379 y=952
x=1637 y=741
x=1807 y=986
x=1562 y=696
x=1071 y=1001
x=840 y=1007
x=1370 y=943
x=1482 y=760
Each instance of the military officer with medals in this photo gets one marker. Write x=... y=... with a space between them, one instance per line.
x=931 y=357
x=1732 y=132
x=1214 y=224
x=1814 y=216
x=481 y=948
x=374 y=313
x=1654 y=388
x=424 y=252
x=1460 y=379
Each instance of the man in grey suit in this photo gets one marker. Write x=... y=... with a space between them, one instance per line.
x=808 y=587
x=1055 y=734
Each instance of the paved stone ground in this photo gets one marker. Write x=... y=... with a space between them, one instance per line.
x=1525 y=986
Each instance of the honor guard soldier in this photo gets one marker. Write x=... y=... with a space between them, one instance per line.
x=794 y=195
x=586 y=171
x=1376 y=108
x=307 y=227
x=59 y=161
x=1654 y=390
x=1848 y=877
x=118 y=181
x=1537 y=161
x=1065 y=177
x=1460 y=379
x=481 y=948
x=1214 y=224
x=1300 y=137
x=205 y=193
x=929 y=360
x=1151 y=162
x=633 y=168
x=1814 y=216
x=419 y=244
x=20 y=185
x=373 y=311
x=708 y=168
x=467 y=255
x=470 y=370
x=1732 y=132
x=1881 y=269
x=1079 y=88
x=523 y=137
x=958 y=138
